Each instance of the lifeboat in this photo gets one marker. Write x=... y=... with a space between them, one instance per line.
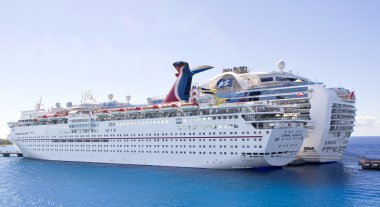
x=169 y=107
x=53 y=117
x=150 y=109
x=189 y=106
x=133 y=110
x=62 y=116
x=118 y=112
x=42 y=118
x=102 y=113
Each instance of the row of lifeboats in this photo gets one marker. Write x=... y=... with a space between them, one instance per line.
x=146 y=109
x=125 y=111
x=52 y=117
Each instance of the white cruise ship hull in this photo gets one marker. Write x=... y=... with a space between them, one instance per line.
x=164 y=144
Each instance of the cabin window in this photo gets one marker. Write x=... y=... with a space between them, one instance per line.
x=267 y=79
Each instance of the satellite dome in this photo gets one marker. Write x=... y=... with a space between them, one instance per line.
x=128 y=98
x=110 y=96
x=69 y=104
x=58 y=105
x=281 y=65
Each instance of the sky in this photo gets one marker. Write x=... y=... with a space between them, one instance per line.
x=57 y=50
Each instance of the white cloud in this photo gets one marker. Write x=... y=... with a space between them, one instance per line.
x=367 y=126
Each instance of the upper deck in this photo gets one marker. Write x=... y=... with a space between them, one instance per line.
x=258 y=112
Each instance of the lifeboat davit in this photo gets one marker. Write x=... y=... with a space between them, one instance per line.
x=118 y=112
x=150 y=109
x=189 y=106
x=102 y=113
x=169 y=107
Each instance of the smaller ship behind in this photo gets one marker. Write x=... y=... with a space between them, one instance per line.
x=331 y=111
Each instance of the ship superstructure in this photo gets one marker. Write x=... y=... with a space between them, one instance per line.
x=180 y=134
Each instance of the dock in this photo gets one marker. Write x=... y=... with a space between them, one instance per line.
x=370 y=164
x=7 y=151
x=8 y=154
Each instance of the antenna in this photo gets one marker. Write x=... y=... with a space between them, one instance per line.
x=87 y=97
x=38 y=104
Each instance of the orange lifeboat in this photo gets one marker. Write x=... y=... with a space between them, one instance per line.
x=150 y=109
x=169 y=107
x=42 y=118
x=53 y=117
x=118 y=112
x=102 y=113
x=133 y=110
x=189 y=106
x=59 y=115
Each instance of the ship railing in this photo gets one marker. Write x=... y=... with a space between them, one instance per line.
x=349 y=100
x=343 y=114
x=349 y=125
x=344 y=106
x=341 y=130
x=343 y=119
x=340 y=110
x=253 y=118
x=140 y=116
x=277 y=85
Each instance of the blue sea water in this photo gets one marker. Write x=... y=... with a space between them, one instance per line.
x=27 y=182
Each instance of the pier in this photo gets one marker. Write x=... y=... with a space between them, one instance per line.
x=370 y=164
x=8 y=154
x=6 y=151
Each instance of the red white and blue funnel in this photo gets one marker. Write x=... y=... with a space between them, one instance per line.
x=180 y=91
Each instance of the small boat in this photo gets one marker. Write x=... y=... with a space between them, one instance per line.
x=189 y=106
x=169 y=108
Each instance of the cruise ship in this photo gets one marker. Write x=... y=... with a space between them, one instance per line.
x=179 y=132
x=331 y=111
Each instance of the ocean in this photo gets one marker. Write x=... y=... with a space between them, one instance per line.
x=28 y=182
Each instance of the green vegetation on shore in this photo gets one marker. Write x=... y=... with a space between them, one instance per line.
x=5 y=142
